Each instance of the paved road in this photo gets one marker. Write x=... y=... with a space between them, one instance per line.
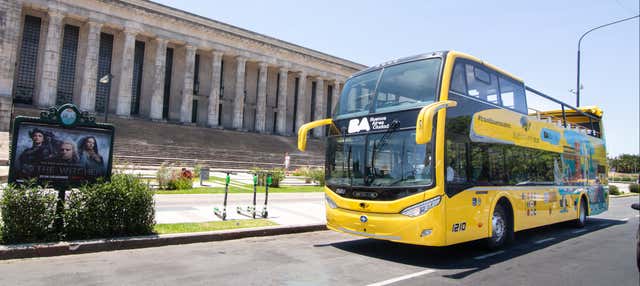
x=603 y=253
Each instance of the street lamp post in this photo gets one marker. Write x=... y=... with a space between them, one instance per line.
x=579 y=41
x=105 y=80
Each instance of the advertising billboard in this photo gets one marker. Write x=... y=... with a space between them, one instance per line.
x=60 y=149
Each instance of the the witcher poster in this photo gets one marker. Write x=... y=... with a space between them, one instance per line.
x=52 y=154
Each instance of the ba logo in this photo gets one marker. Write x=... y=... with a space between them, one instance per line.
x=357 y=125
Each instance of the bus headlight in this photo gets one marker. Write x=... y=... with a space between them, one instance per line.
x=421 y=208
x=330 y=202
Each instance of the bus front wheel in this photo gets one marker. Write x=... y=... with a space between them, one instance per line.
x=500 y=228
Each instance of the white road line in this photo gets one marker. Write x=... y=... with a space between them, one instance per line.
x=544 y=240
x=488 y=255
x=580 y=231
x=405 y=277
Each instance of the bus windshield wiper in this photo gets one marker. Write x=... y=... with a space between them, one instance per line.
x=371 y=176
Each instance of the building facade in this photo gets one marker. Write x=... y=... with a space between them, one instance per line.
x=137 y=58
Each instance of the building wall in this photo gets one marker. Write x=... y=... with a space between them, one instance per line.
x=152 y=23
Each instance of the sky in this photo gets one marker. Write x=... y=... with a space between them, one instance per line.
x=536 y=41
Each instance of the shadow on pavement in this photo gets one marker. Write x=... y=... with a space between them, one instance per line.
x=469 y=256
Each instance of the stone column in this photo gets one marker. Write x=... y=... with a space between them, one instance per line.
x=9 y=43
x=238 y=101
x=159 y=64
x=187 y=89
x=214 y=95
x=281 y=122
x=123 y=104
x=302 y=100
x=90 y=74
x=53 y=44
x=261 y=104
x=320 y=109
x=336 y=94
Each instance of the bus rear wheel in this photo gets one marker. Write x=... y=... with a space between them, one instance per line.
x=582 y=214
x=500 y=228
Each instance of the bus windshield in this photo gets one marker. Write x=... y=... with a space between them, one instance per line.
x=378 y=160
x=397 y=87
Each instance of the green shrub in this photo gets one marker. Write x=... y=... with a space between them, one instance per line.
x=164 y=174
x=301 y=172
x=196 y=170
x=122 y=207
x=277 y=175
x=317 y=175
x=180 y=183
x=634 y=188
x=28 y=214
x=170 y=178
x=613 y=190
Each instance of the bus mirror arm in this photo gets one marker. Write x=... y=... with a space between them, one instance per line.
x=424 y=123
x=304 y=129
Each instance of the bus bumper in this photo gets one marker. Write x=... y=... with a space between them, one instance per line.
x=426 y=229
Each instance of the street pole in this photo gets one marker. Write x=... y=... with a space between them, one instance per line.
x=579 y=42
x=105 y=80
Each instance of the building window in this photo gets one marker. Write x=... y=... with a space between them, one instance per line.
x=67 y=69
x=104 y=68
x=136 y=84
x=295 y=105
x=167 y=83
x=26 y=73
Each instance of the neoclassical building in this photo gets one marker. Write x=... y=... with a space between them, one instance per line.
x=162 y=64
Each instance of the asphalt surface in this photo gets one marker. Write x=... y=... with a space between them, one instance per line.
x=603 y=253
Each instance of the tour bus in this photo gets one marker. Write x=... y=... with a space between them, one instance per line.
x=442 y=148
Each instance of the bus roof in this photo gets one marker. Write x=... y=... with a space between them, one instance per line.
x=437 y=54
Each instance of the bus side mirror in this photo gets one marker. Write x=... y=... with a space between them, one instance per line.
x=304 y=129
x=424 y=123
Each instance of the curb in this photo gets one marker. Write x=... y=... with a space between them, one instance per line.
x=32 y=250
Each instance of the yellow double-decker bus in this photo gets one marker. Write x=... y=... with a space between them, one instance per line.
x=444 y=148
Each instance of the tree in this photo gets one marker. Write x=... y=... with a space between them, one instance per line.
x=625 y=163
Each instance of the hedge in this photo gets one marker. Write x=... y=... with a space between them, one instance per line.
x=122 y=207
x=28 y=214
x=613 y=190
x=634 y=188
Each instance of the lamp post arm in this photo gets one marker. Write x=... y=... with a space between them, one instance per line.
x=580 y=42
x=602 y=26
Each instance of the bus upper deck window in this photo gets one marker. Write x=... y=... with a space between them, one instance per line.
x=512 y=94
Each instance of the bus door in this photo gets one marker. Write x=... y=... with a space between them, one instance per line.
x=466 y=206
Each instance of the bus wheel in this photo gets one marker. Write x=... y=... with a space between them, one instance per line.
x=500 y=228
x=582 y=214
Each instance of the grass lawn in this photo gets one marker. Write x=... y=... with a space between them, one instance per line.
x=210 y=225
x=232 y=189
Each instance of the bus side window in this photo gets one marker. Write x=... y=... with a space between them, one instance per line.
x=482 y=84
x=458 y=83
x=512 y=94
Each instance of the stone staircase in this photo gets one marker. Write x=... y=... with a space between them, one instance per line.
x=142 y=142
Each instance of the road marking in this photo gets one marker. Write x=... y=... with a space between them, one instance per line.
x=488 y=255
x=405 y=277
x=580 y=231
x=544 y=240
